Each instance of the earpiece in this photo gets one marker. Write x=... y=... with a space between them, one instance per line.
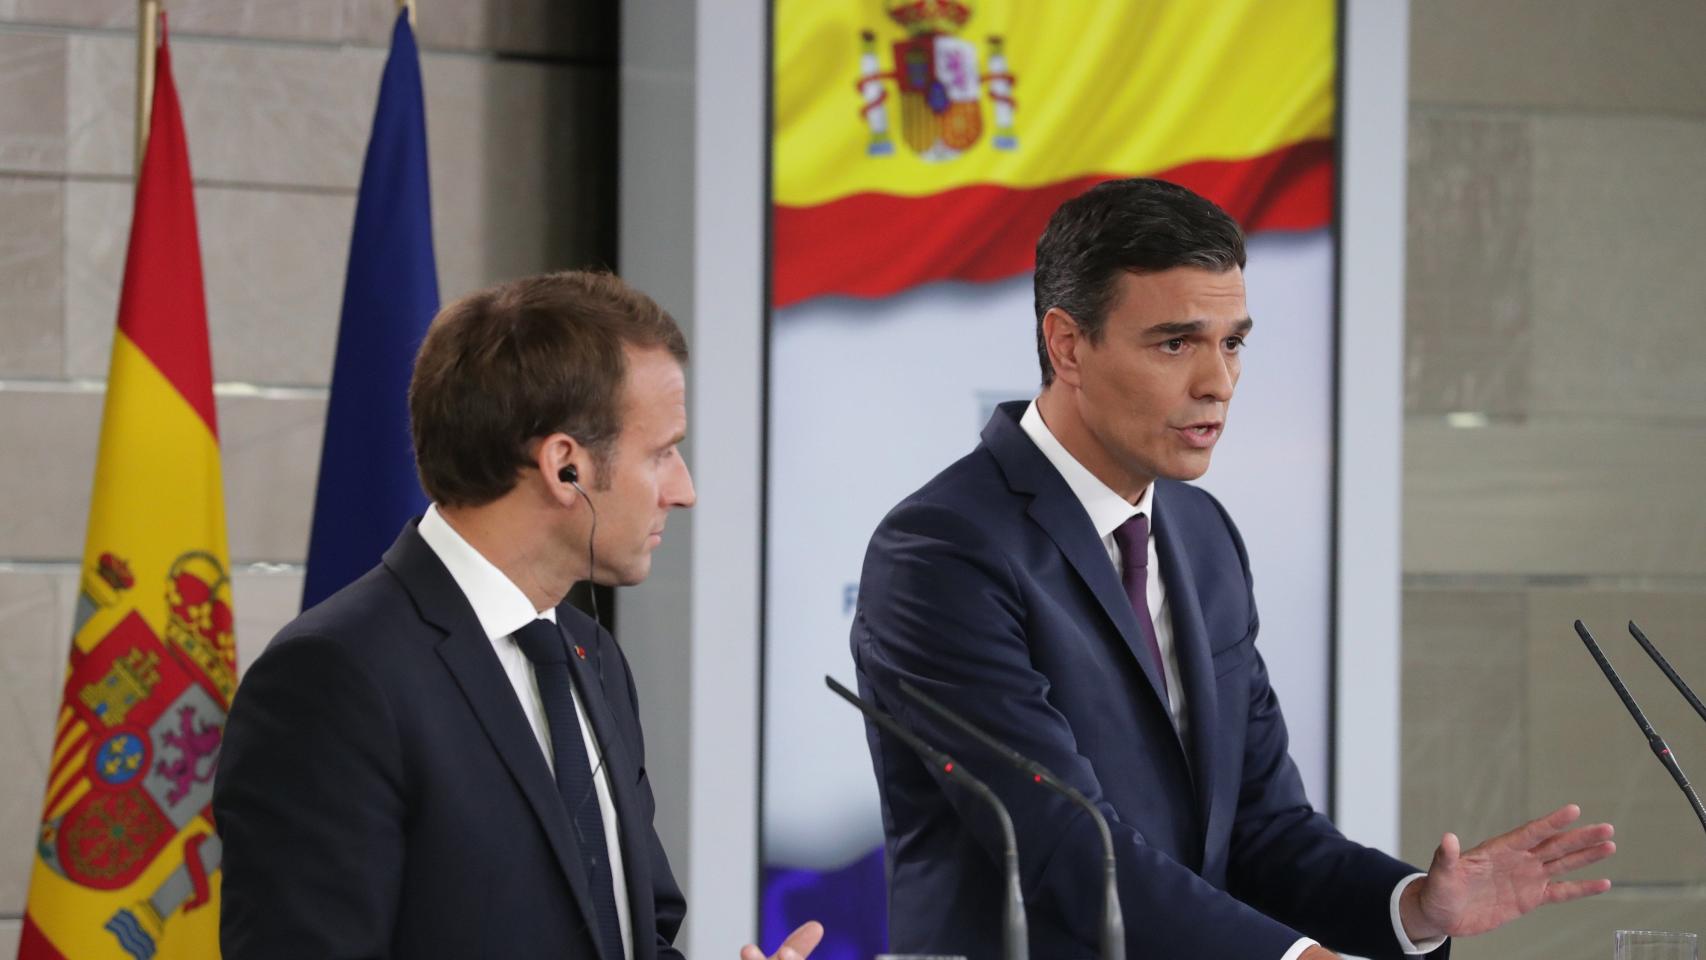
x=571 y=476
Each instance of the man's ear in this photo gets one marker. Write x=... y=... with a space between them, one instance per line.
x=1064 y=338
x=558 y=458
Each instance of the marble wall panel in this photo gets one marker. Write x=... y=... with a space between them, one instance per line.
x=1617 y=282
x=32 y=113
x=270 y=458
x=34 y=641
x=581 y=30
x=1584 y=55
x=9 y=932
x=253 y=113
x=1465 y=673
x=1553 y=498
x=1583 y=930
x=272 y=461
x=272 y=20
x=523 y=164
x=47 y=503
x=1468 y=323
x=32 y=265
x=263 y=604
x=1584 y=748
x=273 y=266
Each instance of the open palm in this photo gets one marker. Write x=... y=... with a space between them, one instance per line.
x=1493 y=883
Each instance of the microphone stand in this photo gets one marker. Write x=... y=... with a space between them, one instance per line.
x=1654 y=742
x=1113 y=921
x=1669 y=672
x=1015 y=939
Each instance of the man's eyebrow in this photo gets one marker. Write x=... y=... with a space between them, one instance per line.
x=1177 y=328
x=1186 y=328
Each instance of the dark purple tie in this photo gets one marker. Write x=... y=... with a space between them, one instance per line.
x=1133 y=539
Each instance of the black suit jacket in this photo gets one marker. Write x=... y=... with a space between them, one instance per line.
x=381 y=794
x=990 y=589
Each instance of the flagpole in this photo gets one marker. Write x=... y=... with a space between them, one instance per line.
x=408 y=5
x=147 y=39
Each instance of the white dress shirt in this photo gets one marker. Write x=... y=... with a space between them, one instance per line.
x=1107 y=511
x=502 y=609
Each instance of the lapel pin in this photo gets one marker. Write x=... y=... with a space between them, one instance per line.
x=580 y=651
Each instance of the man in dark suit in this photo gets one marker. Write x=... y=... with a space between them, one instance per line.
x=1061 y=587
x=444 y=759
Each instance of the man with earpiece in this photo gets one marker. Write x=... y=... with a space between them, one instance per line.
x=444 y=759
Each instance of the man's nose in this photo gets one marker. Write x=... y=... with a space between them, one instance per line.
x=679 y=491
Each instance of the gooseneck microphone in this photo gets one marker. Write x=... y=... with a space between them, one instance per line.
x=1113 y=921
x=1015 y=940
x=1669 y=672
x=1654 y=741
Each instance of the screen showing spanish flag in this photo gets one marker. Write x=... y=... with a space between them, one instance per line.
x=918 y=147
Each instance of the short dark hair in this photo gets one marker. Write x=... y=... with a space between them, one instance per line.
x=522 y=360
x=1124 y=226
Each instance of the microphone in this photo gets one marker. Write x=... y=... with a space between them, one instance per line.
x=1015 y=940
x=1654 y=741
x=1669 y=672
x=1113 y=921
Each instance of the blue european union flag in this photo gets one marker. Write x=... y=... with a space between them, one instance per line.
x=368 y=487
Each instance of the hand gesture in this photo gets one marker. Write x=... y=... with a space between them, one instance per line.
x=1504 y=878
x=798 y=946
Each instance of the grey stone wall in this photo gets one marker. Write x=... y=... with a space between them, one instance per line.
x=278 y=98
x=1555 y=436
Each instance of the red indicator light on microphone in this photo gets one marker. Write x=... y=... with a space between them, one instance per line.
x=1038 y=778
x=948 y=768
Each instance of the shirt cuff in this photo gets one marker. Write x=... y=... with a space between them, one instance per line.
x=1410 y=949
x=1298 y=948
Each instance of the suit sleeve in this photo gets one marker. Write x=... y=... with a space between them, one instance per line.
x=1287 y=859
x=309 y=804
x=940 y=607
x=667 y=900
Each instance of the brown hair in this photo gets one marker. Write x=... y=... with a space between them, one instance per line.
x=523 y=360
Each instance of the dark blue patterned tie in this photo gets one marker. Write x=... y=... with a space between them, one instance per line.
x=544 y=645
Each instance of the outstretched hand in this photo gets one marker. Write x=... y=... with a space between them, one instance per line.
x=798 y=946
x=1466 y=893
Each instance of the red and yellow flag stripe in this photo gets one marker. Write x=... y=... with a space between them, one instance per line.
x=1233 y=99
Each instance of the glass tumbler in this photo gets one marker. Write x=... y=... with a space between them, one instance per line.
x=1653 y=945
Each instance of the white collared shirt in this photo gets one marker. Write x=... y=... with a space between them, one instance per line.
x=502 y=608
x=1107 y=511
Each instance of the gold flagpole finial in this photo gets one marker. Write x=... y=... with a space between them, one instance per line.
x=147 y=41
x=408 y=5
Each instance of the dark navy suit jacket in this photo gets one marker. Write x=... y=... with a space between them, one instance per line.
x=990 y=590
x=381 y=794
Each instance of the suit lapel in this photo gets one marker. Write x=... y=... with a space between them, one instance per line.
x=467 y=653
x=1057 y=511
x=1190 y=645
x=621 y=774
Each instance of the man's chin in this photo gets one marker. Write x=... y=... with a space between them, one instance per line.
x=1187 y=468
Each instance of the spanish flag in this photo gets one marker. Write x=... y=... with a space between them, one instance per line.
x=924 y=140
x=126 y=859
